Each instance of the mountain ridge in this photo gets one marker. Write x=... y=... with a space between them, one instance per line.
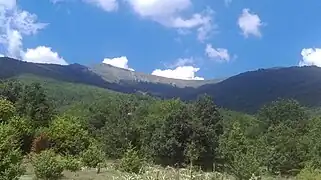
x=246 y=92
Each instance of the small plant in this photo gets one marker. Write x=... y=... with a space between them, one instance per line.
x=47 y=165
x=131 y=161
x=93 y=157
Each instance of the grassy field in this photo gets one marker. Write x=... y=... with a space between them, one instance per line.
x=151 y=173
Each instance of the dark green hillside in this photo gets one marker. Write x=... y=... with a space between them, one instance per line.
x=245 y=92
x=250 y=90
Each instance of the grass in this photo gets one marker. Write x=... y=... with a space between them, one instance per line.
x=151 y=173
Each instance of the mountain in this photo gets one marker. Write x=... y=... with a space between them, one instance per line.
x=245 y=92
x=249 y=91
x=123 y=76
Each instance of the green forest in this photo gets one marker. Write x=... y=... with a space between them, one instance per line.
x=54 y=130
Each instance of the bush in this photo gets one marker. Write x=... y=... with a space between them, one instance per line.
x=131 y=161
x=71 y=163
x=47 y=165
x=10 y=155
x=309 y=174
x=7 y=110
x=93 y=156
x=68 y=137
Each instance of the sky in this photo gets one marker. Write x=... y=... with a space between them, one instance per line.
x=183 y=39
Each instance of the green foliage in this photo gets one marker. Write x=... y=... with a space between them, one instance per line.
x=71 y=163
x=241 y=154
x=24 y=132
x=93 y=156
x=11 y=90
x=309 y=173
x=68 y=137
x=47 y=165
x=10 y=156
x=131 y=162
x=35 y=105
x=7 y=110
x=285 y=124
x=207 y=131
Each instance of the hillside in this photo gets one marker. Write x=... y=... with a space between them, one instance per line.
x=245 y=92
x=124 y=76
x=250 y=90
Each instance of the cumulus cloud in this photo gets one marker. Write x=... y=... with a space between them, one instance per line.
x=42 y=54
x=181 y=72
x=219 y=54
x=9 y=4
x=120 y=62
x=310 y=56
x=170 y=14
x=14 y=25
x=250 y=23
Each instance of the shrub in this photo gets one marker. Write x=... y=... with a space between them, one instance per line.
x=7 y=110
x=131 y=161
x=68 y=137
x=93 y=156
x=309 y=173
x=47 y=165
x=10 y=156
x=71 y=163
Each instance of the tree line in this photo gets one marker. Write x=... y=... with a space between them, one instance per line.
x=280 y=139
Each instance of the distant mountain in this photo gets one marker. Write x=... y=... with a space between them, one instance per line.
x=103 y=76
x=124 y=76
x=250 y=90
x=245 y=92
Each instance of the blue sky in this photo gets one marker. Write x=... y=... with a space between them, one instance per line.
x=185 y=39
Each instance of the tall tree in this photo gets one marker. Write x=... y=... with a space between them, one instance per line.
x=35 y=105
x=210 y=129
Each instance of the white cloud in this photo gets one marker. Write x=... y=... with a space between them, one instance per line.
x=1 y=55
x=220 y=54
x=181 y=72
x=120 y=62
x=183 y=62
x=14 y=47
x=250 y=23
x=107 y=5
x=170 y=14
x=8 y=4
x=42 y=54
x=311 y=56
x=14 y=24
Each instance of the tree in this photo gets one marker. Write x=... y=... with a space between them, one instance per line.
x=170 y=141
x=11 y=90
x=242 y=155
x=209 y=130
x=7 y=110
x=68 y=137
x=35 y=105
x=93 y=156
x=10 y=156
x=285 y=124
